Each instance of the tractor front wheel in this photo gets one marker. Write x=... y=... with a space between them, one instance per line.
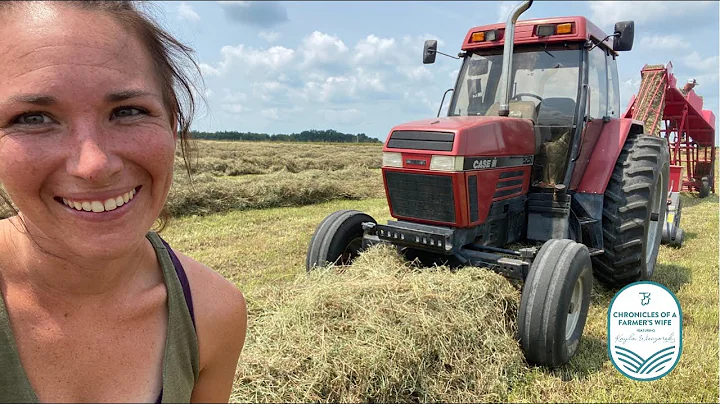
x=555 y=302
x=635 y=204
x=337 y=239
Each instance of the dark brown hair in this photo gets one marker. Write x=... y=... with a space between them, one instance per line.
x=173 y=62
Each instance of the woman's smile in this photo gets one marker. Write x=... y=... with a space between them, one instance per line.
x=90 y=205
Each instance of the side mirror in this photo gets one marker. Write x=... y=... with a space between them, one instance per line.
x=624 y=36
x=429 y=51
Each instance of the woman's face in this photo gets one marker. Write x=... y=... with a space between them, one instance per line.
x=86 y=143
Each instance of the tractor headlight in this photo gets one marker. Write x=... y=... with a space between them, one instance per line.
x=392 y=159
x=446 y=163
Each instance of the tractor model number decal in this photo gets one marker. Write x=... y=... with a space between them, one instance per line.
x=416 y=162
x=482 y=163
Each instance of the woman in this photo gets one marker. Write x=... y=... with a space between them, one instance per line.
x=95 y=306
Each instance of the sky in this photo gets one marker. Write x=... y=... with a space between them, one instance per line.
x=356 y=67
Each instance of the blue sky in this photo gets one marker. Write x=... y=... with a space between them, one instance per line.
x=283 y=67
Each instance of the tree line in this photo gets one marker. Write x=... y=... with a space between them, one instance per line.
x=313 y=135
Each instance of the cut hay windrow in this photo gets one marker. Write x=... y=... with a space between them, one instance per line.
x=382 y=331
x=210 y=194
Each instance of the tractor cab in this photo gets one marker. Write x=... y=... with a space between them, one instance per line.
x=562 y=76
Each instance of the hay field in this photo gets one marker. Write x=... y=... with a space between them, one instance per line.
x=384 y=331
x=254 y=175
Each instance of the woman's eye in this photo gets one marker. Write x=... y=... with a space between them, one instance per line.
x=127 y=111
x=33 y=118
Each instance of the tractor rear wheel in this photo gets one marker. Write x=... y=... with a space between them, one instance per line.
x=635 y=203
x=555 y=302
x=337 y=239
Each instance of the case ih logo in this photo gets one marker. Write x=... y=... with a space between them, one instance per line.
x=484 y=163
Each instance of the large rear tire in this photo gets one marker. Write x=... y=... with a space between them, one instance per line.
x=555 y=302
x=337 y=239
x=634 y=207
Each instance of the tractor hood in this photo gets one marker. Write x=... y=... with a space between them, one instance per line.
x=464 y=136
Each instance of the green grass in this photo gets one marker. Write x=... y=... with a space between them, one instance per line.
x=261 y=248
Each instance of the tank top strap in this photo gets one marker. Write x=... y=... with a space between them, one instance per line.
x=181 y=357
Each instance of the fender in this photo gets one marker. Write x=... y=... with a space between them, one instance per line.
x=607 y=150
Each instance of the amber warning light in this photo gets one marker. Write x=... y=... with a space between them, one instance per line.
x=482 y=36
x=554 y=29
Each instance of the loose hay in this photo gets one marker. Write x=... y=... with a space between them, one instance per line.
x=210 y=194
x=381 y=331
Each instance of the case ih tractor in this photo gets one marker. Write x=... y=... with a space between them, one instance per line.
x=533 y=173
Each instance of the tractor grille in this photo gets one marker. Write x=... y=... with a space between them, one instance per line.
x=419 y=140
x=421 y=196
x=473 y=196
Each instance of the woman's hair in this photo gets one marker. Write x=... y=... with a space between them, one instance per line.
x=172 y=61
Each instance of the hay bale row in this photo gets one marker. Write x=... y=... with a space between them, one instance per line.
x=381 y=331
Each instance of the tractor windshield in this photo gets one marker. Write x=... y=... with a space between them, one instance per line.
x=547 y=77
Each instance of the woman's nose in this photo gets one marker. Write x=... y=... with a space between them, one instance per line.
x=92 y=159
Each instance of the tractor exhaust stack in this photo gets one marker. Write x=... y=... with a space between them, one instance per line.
x=505 y=83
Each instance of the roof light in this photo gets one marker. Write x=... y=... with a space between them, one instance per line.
x=491 y=35
x=477 y=36
x=545 y=30
x=564 y=28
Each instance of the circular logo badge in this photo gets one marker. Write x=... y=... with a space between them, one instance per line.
x=644 y=331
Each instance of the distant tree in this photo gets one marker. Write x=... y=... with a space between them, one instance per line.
x=312 y=135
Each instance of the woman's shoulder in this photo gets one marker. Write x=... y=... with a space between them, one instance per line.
x=220 y=312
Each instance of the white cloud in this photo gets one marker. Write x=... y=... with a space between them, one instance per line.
x=319 y=49
x=664 y=42
x=208 y=70
x=188 y=12
x=270 y=36
x=246 y=59
x=359 y=85
x=606 y=13
x=373 y=49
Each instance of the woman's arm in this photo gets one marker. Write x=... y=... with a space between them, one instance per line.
x=221 y=321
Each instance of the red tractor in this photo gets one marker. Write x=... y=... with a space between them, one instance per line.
x=533 y=173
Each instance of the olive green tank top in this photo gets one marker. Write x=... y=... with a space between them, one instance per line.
x=180 y=361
